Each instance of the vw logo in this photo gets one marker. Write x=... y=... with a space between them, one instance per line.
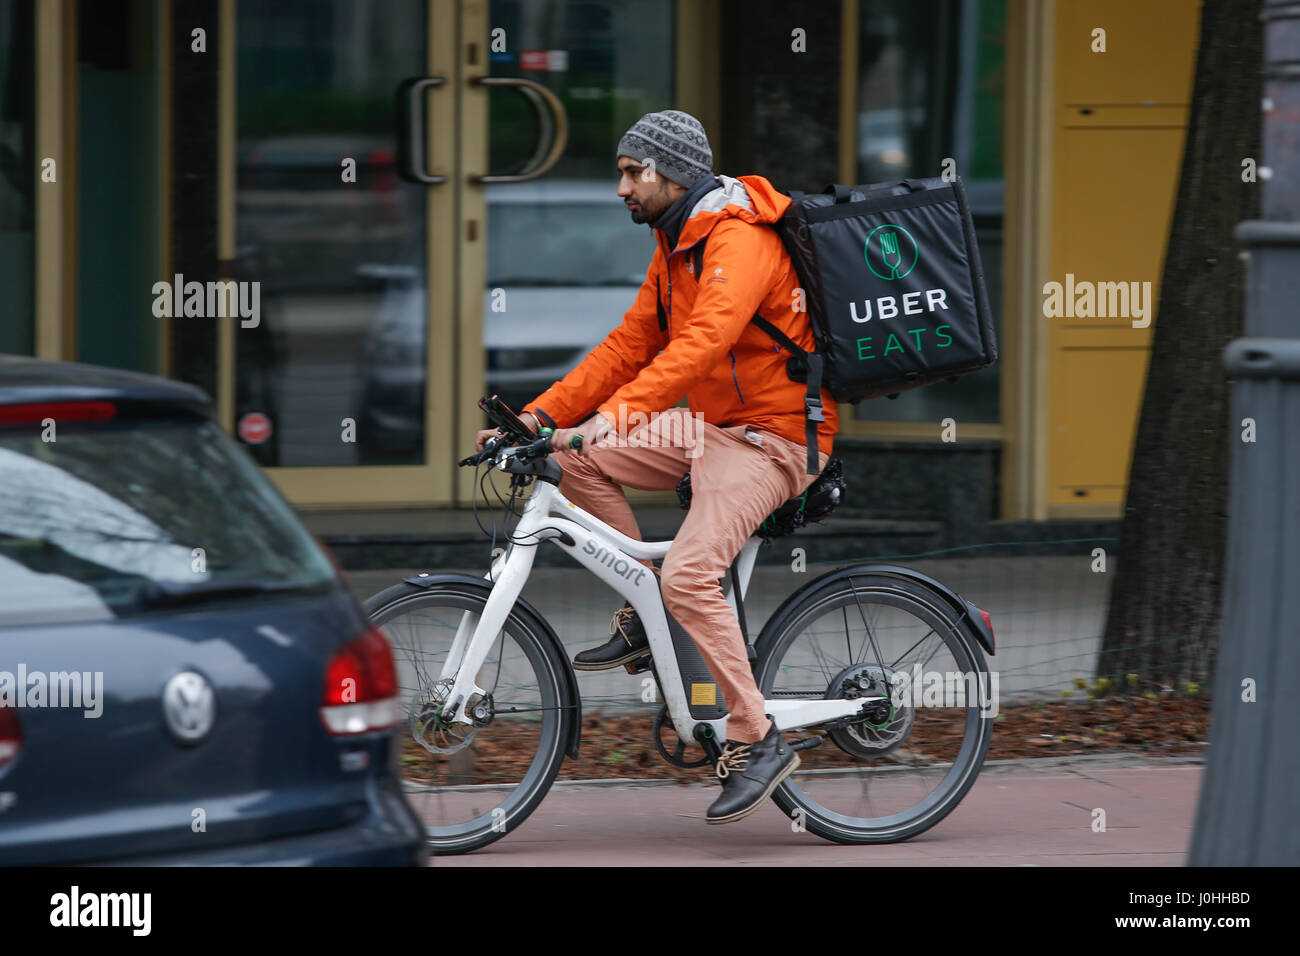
x=189 y=706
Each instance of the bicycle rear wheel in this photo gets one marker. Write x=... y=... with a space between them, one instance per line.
x=472 y=785
x=901 y=769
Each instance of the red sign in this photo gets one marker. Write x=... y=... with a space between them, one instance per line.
x=254 y=428
x=532 y=59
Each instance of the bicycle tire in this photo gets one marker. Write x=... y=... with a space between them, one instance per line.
x=385 y=610
x=885 y=772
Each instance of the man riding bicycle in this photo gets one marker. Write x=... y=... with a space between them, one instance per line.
x=743 y=439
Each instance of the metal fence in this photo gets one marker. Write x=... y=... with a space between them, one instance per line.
x=1048 y=611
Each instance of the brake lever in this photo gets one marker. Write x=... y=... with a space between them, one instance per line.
x=489 y=449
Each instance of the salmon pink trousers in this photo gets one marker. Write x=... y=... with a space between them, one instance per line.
x=739 y=475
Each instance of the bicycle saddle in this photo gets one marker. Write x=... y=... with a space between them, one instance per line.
x=819 y=500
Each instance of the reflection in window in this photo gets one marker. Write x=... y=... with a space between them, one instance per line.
x=333 y=255
x=781 y=102
x=118 y=508
x=930 y=87
x=17 y=173
x=589 y=243
x=564 y=258
x=609 y=61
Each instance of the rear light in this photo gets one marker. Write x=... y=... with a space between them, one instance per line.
x=11 y=737
x=35 y=414
x=360 y=694
x=988 y=626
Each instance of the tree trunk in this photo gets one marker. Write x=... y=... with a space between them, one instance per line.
x=1164 y=613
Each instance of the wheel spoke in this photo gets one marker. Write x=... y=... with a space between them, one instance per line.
x=892 y=773
x=472 y=784
x=867 y=627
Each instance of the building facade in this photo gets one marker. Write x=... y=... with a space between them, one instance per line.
x=415 y=199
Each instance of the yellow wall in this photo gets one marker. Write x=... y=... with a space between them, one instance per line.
x=1119 y=122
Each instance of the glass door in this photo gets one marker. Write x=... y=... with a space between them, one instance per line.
x=333 y=382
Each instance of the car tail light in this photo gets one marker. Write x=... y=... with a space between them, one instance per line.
x=34 y=414
x=11 y=737
x=360 y=693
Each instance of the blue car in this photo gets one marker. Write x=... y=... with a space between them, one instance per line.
x=184 y=676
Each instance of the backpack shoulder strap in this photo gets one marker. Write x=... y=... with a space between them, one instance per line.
x=803 y=367
x=806 y=367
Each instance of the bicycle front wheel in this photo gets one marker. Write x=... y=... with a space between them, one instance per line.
x=472 y=784
x=905 y=765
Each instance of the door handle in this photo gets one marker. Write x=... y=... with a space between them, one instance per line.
x=412 y=130
x=552 y=119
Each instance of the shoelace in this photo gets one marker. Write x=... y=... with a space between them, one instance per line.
x=622 y=618
x=733 y=758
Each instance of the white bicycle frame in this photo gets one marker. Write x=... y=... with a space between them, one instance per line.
x=610 y=556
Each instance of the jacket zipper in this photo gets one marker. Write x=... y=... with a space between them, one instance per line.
x=732 y=353
x=669 y=270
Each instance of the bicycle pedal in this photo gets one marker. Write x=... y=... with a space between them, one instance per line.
x=638 y=666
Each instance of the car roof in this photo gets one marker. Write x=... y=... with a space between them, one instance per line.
x=25 y=380
x=597 y=191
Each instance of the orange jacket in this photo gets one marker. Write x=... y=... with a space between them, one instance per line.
x=729 y=369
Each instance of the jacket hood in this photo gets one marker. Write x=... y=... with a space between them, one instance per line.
x=749 y=198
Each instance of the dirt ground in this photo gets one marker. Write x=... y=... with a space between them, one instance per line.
x=620 y=746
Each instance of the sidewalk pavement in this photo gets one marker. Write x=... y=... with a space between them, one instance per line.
x=1018 y=813
x=1047 y=615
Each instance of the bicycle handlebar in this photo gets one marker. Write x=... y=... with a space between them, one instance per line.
x=538 y=448
x=527 y=445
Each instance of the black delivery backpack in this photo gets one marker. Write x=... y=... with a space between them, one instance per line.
x=894 y=290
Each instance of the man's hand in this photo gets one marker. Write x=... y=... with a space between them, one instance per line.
x=528 y=418
x=592 y=430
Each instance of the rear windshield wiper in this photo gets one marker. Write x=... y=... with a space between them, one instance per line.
x=172 y=593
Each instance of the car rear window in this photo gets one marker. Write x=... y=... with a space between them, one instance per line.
x=566 y=244
x=106 y=518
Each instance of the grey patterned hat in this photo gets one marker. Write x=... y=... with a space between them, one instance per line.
x=675 y=141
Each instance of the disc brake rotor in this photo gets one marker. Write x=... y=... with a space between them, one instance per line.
x=432 y=731
x=885 y=724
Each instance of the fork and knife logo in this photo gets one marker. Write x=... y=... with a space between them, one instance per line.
x=895 y=251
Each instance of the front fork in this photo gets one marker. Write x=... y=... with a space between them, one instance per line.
x=476 y=633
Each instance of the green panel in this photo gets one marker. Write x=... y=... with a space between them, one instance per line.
x=990 y=90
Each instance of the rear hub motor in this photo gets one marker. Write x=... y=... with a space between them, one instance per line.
x=884 y=724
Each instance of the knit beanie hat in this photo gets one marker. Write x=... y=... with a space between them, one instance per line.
x=675 y=141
